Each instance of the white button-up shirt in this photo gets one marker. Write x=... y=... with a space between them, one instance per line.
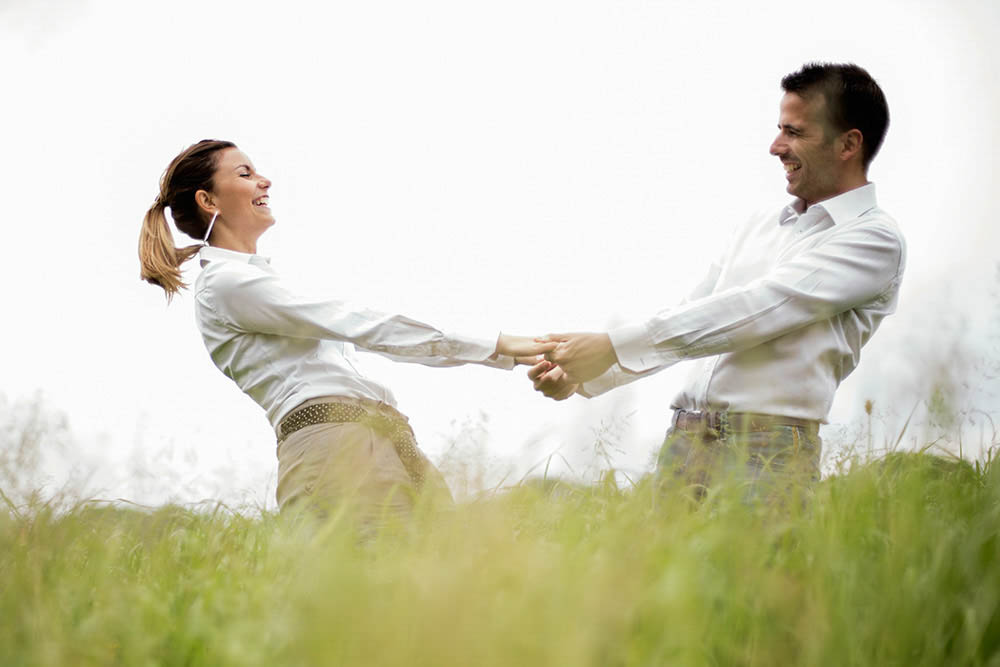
x=781 y=317
x=282 y=348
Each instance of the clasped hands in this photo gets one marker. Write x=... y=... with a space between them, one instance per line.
x=560 y=362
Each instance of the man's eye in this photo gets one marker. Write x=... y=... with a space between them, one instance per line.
x=247 y=175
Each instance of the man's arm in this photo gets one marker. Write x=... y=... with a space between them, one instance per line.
x=852 y=268
x=554 y=385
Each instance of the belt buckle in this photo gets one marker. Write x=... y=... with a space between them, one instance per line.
x=718 y=421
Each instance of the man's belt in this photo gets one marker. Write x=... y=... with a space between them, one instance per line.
x=738 y=422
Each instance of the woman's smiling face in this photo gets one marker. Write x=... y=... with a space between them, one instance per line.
x=240 y=194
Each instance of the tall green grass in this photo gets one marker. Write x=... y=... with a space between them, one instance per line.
x=896 y=562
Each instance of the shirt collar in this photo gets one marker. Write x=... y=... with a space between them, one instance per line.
x=845 y=206
x=209 y=254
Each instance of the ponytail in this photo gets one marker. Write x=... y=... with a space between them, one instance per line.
x=192 y=170
x=160 y=261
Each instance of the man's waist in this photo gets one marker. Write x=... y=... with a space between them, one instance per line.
x=738 y=422
x=763 y=381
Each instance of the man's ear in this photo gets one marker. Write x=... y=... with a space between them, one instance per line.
x=851 y=142
x=205 y=202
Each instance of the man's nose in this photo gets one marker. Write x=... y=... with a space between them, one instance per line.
x=777 y=146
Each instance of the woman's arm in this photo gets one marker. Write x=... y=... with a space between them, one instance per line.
x=250 y=300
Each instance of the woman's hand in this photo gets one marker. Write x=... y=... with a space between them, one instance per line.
x=522 y=346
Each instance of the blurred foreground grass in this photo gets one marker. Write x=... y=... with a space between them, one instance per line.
x=895 y=563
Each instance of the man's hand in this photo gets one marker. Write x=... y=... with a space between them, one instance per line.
x=583 y=356
x=551 y=381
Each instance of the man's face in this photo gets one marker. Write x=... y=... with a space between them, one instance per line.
x=807 y=148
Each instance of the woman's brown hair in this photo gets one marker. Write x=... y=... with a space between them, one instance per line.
x=187 y=173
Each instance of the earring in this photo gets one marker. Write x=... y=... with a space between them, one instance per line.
x=210 y=224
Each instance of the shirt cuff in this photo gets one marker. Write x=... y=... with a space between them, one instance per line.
x=597 y=386
x=502 y=362
x=614 y=377
x=634 y=349
x=479 y=350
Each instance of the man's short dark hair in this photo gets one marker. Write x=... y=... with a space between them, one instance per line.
x=853 y=100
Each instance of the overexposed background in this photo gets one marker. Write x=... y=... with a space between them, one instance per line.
x=530 y=166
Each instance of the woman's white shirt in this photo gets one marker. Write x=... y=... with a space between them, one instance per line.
x=282 y=348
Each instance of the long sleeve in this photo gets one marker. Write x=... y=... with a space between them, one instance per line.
x=616 y=376
x=781 y=317
x=852 y=267
x=252 y=301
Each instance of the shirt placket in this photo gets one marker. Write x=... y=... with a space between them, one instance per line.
x=793 y=229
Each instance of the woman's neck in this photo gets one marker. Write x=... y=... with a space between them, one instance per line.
x=221 y=238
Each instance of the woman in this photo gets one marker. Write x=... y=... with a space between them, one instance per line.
x=340 y=438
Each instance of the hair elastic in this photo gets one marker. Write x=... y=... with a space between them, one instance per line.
x=210 y=224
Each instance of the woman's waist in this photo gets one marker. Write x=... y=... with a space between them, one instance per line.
x=283 y=373
x=339 y=409
x=366 y=395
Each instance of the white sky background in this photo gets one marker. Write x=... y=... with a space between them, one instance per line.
x=531 y=166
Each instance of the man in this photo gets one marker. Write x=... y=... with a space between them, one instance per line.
x=781 y=317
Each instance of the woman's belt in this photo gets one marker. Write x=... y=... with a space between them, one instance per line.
x=393 y=427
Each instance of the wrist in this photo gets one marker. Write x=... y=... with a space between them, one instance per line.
x=610 y=353
x=498 y=350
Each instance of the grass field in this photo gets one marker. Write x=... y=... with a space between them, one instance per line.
x=896 y=562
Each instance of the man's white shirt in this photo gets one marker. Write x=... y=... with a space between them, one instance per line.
x=781 y=317
x=282 y=348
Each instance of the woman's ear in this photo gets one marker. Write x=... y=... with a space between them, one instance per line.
x=205 y=202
